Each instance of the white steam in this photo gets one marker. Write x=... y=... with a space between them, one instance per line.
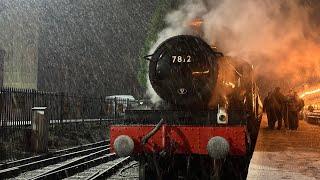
x=277 y=36
x=178 y=23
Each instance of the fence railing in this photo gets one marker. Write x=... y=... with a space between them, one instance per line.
x=16 y=105
x=64 y=112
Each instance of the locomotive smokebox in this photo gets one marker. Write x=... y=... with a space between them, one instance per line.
x=218 y=147
x=183 y=71
x=123 y=145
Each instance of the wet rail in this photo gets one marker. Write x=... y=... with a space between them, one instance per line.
x=66 y=163
x=51 y=154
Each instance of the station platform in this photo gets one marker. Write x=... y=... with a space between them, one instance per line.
x=286 y=154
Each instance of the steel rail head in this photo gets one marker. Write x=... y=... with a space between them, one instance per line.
x=111 y=170
x=79 y=167
x=52 y=154
x=77 y=161
x=15 y=171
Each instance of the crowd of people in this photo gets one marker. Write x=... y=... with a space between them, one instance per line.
x=280 y=108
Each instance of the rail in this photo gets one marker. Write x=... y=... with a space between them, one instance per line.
x=91 y=161
x=28 y=165
x=51 y=154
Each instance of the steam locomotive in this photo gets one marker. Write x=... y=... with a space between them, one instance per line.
x=209 y=120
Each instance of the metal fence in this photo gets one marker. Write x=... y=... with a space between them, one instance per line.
x=64 y=111
x=16 y=107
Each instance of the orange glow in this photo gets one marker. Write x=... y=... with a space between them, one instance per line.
x=229 y=84
x=200 y=72
x=213 y=47
x=309 y=92
x=196 y=22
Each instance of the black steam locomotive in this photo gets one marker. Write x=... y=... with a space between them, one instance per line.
x=212 y=115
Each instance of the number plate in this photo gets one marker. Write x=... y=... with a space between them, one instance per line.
x=181 y=59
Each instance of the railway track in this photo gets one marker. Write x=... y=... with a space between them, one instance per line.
x=92 y=161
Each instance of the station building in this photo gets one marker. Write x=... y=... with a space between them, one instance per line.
x=19 y=32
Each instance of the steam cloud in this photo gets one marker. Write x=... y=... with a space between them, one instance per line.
x=279 y=37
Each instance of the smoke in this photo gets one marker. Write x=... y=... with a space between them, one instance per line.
x=178 y=22
x=279 y=37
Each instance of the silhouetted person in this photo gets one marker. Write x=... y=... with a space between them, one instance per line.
x=285 y=110
x=310 y=108
x=267 y=110
x=295 y=105
x=277 y=104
